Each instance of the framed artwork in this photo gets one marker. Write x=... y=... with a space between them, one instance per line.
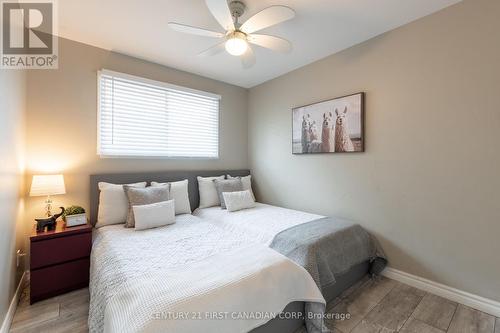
x=332 y=126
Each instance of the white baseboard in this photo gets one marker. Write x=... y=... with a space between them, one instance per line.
x=13 y=306
x=474 y=301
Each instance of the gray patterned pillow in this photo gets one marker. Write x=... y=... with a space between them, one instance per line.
x=227 y=185
x=144 y=196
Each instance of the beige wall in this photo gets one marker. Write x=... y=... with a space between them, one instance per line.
x=62 y=118
x=428 y=185
x=12 y=227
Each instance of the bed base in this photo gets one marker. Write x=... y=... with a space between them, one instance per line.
x=344 y=281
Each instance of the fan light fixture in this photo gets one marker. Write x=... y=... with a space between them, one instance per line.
x=236 y=44
x=237 y=39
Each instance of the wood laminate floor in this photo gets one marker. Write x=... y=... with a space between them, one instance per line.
x=373 y=306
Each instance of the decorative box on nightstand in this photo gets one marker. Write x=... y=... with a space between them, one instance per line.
x=60 y=260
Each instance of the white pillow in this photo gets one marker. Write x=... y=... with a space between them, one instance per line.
x=113 y=203
x=208 y=192
x=178 y=192
x=238 y=200
x=154 y=215
x=247 y=183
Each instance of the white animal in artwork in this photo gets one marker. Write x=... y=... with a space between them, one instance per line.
x=306 y=134
x=313 y=131
x=327 y=134
x=315 y=144
x=343 y=141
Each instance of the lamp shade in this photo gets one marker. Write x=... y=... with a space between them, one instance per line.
x=47 y=185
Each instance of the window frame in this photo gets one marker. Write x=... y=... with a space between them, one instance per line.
x=164 y=85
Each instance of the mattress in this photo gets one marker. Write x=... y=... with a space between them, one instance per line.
x=259 y=224
x=186 y=266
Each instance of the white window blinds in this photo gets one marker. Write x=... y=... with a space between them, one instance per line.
x=140 y=117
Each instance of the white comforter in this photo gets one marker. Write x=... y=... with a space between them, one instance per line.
x=259 y=224
x=141 y=281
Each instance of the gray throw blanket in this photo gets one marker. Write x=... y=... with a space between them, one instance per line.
x=329 y=246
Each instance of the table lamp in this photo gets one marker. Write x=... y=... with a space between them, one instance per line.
x=47 y=185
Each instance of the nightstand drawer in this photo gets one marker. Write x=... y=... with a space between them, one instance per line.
x=61 y=249
x=54 y=280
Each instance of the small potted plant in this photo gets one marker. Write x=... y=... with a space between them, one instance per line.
x=74 y=215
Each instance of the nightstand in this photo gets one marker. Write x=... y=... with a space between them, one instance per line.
x=60 y=260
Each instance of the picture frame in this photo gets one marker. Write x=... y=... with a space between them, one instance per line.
x=332 y=126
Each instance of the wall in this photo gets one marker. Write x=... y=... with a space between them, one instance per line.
x=62 y=118
x=12 y=227
x=427 y=185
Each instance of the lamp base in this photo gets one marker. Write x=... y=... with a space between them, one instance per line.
x=48 y=206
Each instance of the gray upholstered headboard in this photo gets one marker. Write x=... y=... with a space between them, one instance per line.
x=159 y=176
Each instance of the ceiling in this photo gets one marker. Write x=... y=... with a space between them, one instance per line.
x=321 y=27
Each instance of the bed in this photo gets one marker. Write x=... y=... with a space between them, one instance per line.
x=122 y=257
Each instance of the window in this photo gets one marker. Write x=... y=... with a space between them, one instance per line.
x=145 y=118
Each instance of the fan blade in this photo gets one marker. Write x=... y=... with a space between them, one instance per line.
x=271 y=42
x=248 y=58
x=217 y=48
x=220 y=10
x=194 y=30
x=267 y=17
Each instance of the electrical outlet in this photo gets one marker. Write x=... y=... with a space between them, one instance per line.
x=19 y=255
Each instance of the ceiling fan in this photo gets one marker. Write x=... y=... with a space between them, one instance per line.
x=237 y=36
